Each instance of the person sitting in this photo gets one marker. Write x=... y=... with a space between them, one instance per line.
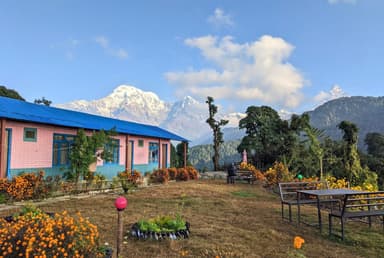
x=231 y=174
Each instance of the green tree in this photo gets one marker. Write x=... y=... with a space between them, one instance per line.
x=313 y=135
x=5 y=92
x=333 y=157
x=351 y=155
x=268 y=137
x=357 y=175
x=43 y=101
x=375 y=157
x=375 y=144
x=216 y=128
x=180 y=154
x=83 y=152
x=174 y=157
x=298 y=159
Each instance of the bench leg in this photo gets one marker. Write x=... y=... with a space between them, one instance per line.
x=330 y=224
x=290 y=213
x=282 y=211
x=342 y=227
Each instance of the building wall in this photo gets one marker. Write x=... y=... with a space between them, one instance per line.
x=35 y=156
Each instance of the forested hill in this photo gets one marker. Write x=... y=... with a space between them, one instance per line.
x=201 y=156
x=366 y=112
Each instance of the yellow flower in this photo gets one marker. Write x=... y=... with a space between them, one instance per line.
x=298 y=242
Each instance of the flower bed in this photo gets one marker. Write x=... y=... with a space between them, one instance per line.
x=33 y=233
x=164 y=227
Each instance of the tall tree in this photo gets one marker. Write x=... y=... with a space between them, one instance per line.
x=43 y=101
x=174 y=157
x=180 y=154
x=268 y=137
x=375 y=144
x=375 y=157
x=5 y=92
x=216 y=128
x=351 y=155
x=315 y=148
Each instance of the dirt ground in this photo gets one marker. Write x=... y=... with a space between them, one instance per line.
x=238 y=220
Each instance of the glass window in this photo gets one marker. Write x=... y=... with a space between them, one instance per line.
x=113 y=150
x=62 y=144
x=153 y=156
x=30 y=134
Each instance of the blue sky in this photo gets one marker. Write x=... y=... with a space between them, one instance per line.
x=287 y=54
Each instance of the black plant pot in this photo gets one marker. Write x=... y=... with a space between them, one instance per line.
x=180 y=234
x=108 y=252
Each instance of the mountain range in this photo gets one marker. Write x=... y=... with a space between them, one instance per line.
x=365 y=112
x=186 y=117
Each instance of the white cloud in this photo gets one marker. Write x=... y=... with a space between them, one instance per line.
x=219 y=18
x=104 y=43
x=334 y=93
x=256 y=70
x=342 y=1
x=69 y=47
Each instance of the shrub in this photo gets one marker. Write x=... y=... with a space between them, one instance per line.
x=192 y=172
x=172 y=173
x=276 y=174
x=182 y=174
x=246 y=166
x=129 y=179
x=34 y=233
x=99 y=180
x=160 y=176
x=256 y=173
x=25 y=186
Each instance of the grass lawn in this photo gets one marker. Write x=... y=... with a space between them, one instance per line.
x=238 y=220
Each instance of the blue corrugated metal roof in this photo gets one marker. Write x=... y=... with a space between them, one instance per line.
x=25 y=111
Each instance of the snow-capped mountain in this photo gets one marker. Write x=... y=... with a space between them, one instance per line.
x=127 y=103
x=186 y=117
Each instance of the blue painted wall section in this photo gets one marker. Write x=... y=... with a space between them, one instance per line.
x=109 y=171
x=48 y=171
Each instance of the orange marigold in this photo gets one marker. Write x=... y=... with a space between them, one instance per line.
x=298 y=242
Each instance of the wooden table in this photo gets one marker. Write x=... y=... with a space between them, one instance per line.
x=320 y=195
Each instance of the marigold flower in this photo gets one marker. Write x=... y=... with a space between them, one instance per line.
x=298 y=242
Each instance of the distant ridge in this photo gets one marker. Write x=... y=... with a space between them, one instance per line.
x=187 y=117
x=366 y=112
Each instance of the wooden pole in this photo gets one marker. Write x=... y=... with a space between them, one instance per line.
x=3 y=147
x=185 y=154
x=127 y=154
x=119 y=232
x=160 y=158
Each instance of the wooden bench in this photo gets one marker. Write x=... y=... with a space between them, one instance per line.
x=245 y=175
x=360 y=205
x=288 y=194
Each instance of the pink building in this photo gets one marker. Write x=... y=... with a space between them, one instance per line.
x=36 y=137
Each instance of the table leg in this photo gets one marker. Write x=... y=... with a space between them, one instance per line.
x=319 y=213
x=298 y=208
